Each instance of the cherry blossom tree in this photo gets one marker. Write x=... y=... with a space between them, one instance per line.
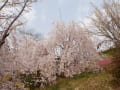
x=10 y=16
x=106 y=22
x=72 y=48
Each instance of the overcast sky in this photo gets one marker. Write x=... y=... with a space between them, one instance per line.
x=46 y=12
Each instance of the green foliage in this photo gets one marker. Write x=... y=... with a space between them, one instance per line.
x=109 y=53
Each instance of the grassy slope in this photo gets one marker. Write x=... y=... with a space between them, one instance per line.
x=100 y=81
x=83 y=82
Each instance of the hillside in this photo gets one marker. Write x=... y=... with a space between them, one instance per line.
x=100 y=81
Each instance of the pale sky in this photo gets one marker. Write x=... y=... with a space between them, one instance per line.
x=45 y=12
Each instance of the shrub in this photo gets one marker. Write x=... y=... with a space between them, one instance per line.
x=33 y=79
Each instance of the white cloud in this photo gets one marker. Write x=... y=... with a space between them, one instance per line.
x=30 y=15
x=42 y=15
x=60 y=2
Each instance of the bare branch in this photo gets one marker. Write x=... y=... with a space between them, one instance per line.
x=3 y=5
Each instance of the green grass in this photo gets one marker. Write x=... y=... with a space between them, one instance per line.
x=109 y=52
x=100 y=81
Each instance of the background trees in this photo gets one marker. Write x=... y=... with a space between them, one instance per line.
x=68 y=50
